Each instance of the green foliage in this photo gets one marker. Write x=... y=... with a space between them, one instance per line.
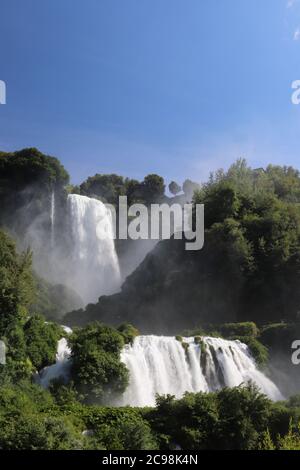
x=129 y=332
x=290 y=441
x=64 y=394
x=239 y=329
x=108 y=188
x=221 y=202
x=266 y=441
x=120 y=428
x=27 y=177
x=153 y=188
x=26 y=421
x=30 y=419
x=174 y=188
x=29 y=166
x=189 y=187
x=268 y=229
x=16 y=284
x=16 y=294
x=248 y=269
x=294 y=401
x=30 y=343
x=41 y=341
x=97 y=370
x=239 y=418
x=229 y=419
x=53 y=301
x=244 y=414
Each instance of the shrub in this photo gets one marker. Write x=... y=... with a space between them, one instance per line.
x=239 y=329
x=129 y=332
x=97 y=370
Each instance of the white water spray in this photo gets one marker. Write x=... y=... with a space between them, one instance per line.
x=94 y=266
x=161 y=365
x=52 y=217
x=61 y=368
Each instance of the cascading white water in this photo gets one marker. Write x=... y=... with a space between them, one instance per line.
x=161 y=365
x=52 y=217
x=94 y=266
x=61 y=368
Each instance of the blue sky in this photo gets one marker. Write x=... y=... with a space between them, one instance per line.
x=175 y=87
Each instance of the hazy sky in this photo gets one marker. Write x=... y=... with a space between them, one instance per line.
x=176 y=87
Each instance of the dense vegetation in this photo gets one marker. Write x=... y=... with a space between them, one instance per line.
x=27 y=178
x=54 y=300
x=239 y=418
x=96 y=368
x=252 y=242
x=242 y=285
x=108 y=188
x=63 y=417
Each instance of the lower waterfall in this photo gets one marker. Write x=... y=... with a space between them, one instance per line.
x=61 y=368
x=162 y=365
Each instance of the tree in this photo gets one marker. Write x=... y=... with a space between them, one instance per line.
x=153 y=188
x=106 y=187
x=174 y=188
x=16 y=284
x=30 y=166
x=97 y=370
x=189 y=187
x=220 y=201
x=27 y=179
x=41 y=341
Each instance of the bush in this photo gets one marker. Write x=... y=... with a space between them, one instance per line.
x=41 y=341
x=229 y=419
x=129 y=332
x=239 y=329
x=97 y=370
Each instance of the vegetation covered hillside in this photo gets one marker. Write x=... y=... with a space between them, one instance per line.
x=248 y=270
x=27 y=178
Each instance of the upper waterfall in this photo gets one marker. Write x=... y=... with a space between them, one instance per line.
x=52 y=217
x=161 y=365
x=94 y=266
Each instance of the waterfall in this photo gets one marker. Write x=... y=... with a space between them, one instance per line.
x=94 y=267
x=61 y=368
x=52 y=217
x=162 y=365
